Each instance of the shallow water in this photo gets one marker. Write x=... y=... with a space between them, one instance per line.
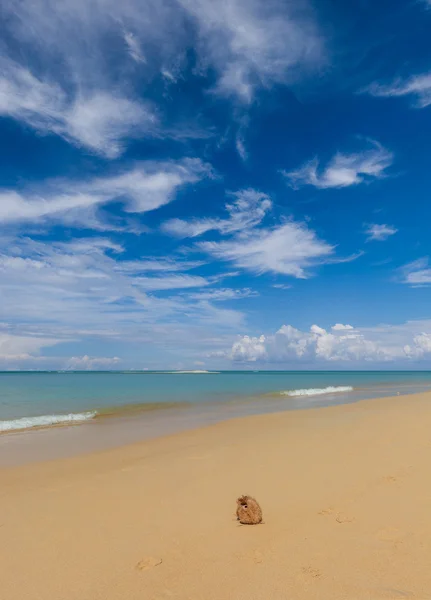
x=37 y=394
x=133 y=403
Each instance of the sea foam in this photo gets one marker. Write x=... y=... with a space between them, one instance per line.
x=44 y=421
x=318 y=391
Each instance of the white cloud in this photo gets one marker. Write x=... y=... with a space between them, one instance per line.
x=288 y=249
x=344 y=344
x=240 y=147
x=341 y=327
x=91 y=363
x=172 y=282
x=159 y=265
x=421 y=346
x=249 y=349
x=379 y=233
x=35 y=362
x=19 y=347
x=281 y=286
x=84 y=290
x=343 y=170
x=247 y=210
x=416 y=273
x=417 y=86
x=96 y=120
x=134 y=47
x=222 y=294
x=146 y=187
x=247 y=44
x=252 y=43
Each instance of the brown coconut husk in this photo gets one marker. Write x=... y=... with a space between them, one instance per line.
x=248 y=511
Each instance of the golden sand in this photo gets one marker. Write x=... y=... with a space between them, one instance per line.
x=345 y=492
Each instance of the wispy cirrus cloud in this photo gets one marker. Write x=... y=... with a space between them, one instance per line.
x=143 y=188
x=246 y=45
x=252 y=44
x=98 y=120
x=85 y=291
x=246 y=210
x=288 y=249
x=416 y=273
x=224 y=294
x=134 y=47
x=343 y=170
x=240 y=147
x=379 y=232
x=417 y=87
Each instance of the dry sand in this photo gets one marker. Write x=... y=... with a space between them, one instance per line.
x=345 y=493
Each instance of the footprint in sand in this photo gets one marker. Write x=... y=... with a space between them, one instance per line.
x=311 y=573
x=327 y=511
x=392 y=535
x=254 y=556
x=392 y=594
x=149 y=562
x=390 y=479
x=342 y=518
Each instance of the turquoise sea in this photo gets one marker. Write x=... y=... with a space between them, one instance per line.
x=35 y=399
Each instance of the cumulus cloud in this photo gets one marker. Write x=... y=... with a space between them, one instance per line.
x=19 y=347
x=341 y=327
x=246 y=210
x=35 y=361
x=343 y=344
x=416 y=273
x=421 y=346
x=379 y=233
x=418 y=87
x=145 y=187
x=343 y=170
x=249 y=349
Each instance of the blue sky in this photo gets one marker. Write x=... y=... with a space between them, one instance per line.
x=199 y=185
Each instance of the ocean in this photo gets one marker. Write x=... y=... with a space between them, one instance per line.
x=62 y=414
x=41 y=399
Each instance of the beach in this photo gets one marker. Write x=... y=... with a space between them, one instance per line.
x=345 y=492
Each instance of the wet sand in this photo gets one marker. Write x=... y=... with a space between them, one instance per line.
x=345 y=492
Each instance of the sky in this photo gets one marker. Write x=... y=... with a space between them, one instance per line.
x=189 y=184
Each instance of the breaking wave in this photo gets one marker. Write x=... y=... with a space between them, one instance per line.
x=44 y=421
x=318 y=391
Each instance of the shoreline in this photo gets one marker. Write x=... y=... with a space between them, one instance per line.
x=344 y=491
x=116 y=426
x=127 y=424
